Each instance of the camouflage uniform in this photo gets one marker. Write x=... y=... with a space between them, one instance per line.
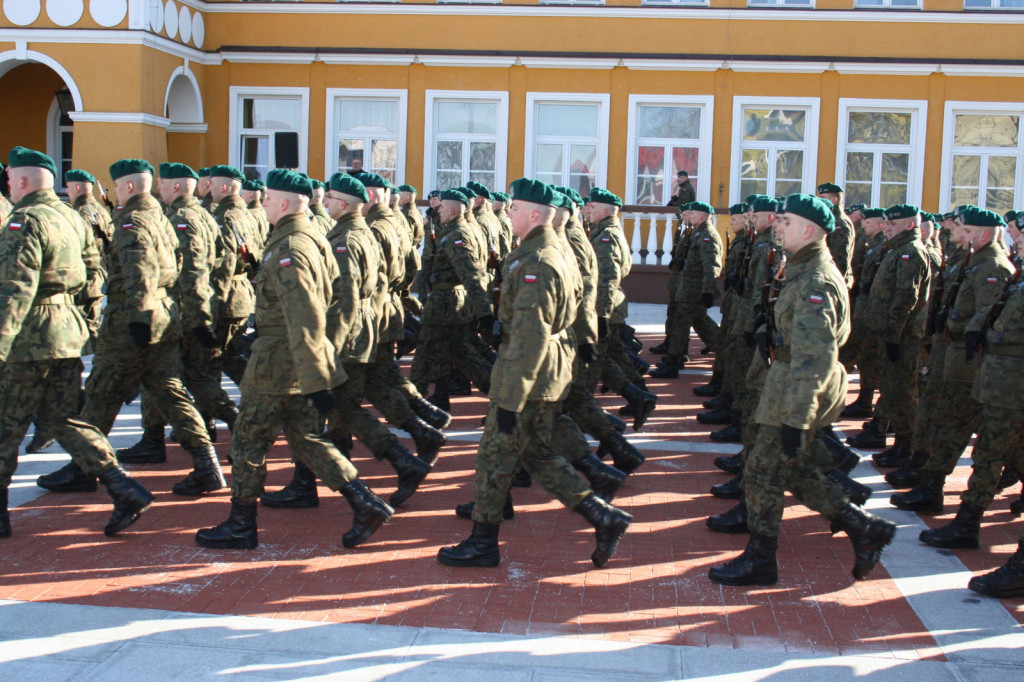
x=320 y=218
x=862 y=347
x=505 y=237
x=5 y=208
x=698 y=277
x=259 y=214
x=841 y=244
x=614 y=261
x=90 y=298
x=727 y=357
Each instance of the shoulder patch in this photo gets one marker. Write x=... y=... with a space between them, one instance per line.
x=15 y=226
x=529 y=279
x=182 y=226
x=992 y=280
x=605 y=240
x=817 y=299
x=341 y=249
x=127 y=226
x=285 y=262
x=905 y=256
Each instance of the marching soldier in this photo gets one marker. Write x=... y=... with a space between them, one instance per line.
x=321 y=218
x=841 y=241
x=252 y=192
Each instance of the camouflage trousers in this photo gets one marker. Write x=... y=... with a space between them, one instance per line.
x=92 y=311
x=442 y=347
x=862 y=349
x=738 y=356
x=200 y=379
x=583 y=408
x=499 y=454
x=898 y=402
x=1000 y=442
x=691 y=313
x=387 y=389
x=611 y=361
x=260 y=419
x=116 y=372
x=930 y=412
x=230 y=360
x=723 y=342
x=757 y=372
x=953 y=421
x=49 y=388
x=353 y=418
x=768 y=474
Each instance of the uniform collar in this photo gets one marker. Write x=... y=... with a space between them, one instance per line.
x=228 y=202
x=141 y=202
x=807 y=257
x=289 y=225
x=42 y=196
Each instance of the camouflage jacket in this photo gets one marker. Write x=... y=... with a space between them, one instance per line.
x=46 y=253
x=872 y=259
x=259 y=214
x=898 y=304
x=393 y=242
x=702 y=262
x=320 y=218
x=414 y=219
x=538 y=304
x=294 y=289
x=5 y=208
x=746 y=307
x=585 y=324
x=97 y=218
x=142 y=267
x=841 y=244
x=806 y=385
x=491 y=228
x=1001 y=375
x=197 y=243
x=458 y=279
x=351 y=325
x=240 y=248
x=506 y=236
x=614 y=260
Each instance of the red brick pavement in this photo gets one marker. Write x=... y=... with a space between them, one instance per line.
x=654 y=590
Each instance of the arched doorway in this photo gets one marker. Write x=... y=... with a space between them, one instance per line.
x=183 y=107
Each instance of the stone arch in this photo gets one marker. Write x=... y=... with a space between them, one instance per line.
x=14 y=58
x=183 y=102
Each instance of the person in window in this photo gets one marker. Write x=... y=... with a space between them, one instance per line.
x=684 y=192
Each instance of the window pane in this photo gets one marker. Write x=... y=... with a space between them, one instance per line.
x=870 y=3
x=893 y=194
x=271 y=113
x=976 y=130
x=966 y=171
x=1002 y=171
x=672 y=122
x=859 y=166
x=789 y=165
x=582 y=157
x=384 y=158
x=448 y=179
x=685 y=159
x=999 y=200
x=486 y=179
x=650 y=160
x=255 y=156
x=774 y=124
x=569 y=120
x=467 y=117
x=878 y=127
x=753 y=187
x=550 y=178
x=786 y=187
x=350 y=154
x=754 y=165
x=449 y=155
x=481 y=156
x=904 y=3
x=895 y=168
x=549 y=159
x=963 y=195
x=858 y=193
x=367 y=116
x=650 y=190
x=581 y=182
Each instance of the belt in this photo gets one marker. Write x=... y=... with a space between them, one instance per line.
x=54 y=299
x=446 y=286
x=1007 y=350
x=271 y=330
x=119 y=296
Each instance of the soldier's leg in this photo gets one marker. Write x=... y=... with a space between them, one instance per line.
x=928 y=406
x=585 y=411
x=21 y=397
x=231 y=362
x=999 y=442
x=303 y=433
x=260 y=419
x=380 y=392
x=496 y=460
x=355 y=419
x=611 y=352
x=547 y=467
x=466 y=358
x=152 y=419
x=707 y=329
x=764 y=488
x=115 y=374
x=956 y=416
x=685 y=316
x=202 y=381
x=167 y=392
x=88 y=448
x=431 y=354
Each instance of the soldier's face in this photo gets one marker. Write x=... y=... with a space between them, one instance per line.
x=872 y=226
x=762 y=221
x=334 y=205
x=830 y=197
x=856 y=215
x=449 y=210
x=739 y=223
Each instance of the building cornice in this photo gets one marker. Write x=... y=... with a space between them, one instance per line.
x=90 y=36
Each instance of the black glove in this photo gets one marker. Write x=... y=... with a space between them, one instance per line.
x=748 y=338
x=893 y=351
x=973 y=342
x=602 y=327
x=588 y=353
x=485 y=323
x=496 y=336
x=708 y=300
x=323 y=401
x=761 y=339
x=791 y=438
x=204 y=335
x=760 y=319
x=508 y=421
x=141 y=334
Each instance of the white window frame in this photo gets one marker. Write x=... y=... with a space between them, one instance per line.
x=949 y=128
x=332 y=136
x=603 y=101
x=886 y=4
x=571 y=2
x=918 y=109
x=809 y=145
x=780 y=4
x=687 y=3
x=995 y=6
x=55 y=145
x=501 y=140
x=236 y=93
x=706 y=103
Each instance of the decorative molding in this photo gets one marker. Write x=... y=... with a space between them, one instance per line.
x=119 y=117
x=89 y=36
x=187 y=127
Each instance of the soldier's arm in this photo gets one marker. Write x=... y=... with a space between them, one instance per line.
x=813 y=351
x=981 y=293
x=911 y=283
x=227 y=262
x=840 y=247
x=346 y=287
x=194 y=280
x=585 y=325
x=304 y=318
x=609 y=273
x=135 y=250
x=21 y=257
x=471 y=274
x=711 y=259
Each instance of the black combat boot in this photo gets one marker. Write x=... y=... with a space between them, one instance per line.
x=430 y=413
x=205 y=476
x=963 y=532
x=617 y=424
x=428 y=439
x=732 y=433
x=925 y=498
x=238 y=532
x=869 y=535
x=1007 y=478
x=910 y=475
x=5 y=516
x=41 y=439
x=732 y=521
x=642 y=403
x=899 y=455
x=872 y=436
x=625 y=457
x=479 y=549
x=465 y=510
x=669 y=369
x=300 y=493
x=68 y=479
x=211 y=426
x=149 y=450
x=229 y=416
x=459 y=384
x=846 y=459
x=369 y=512
x=1006 y=581
x=855 y=490
x=130 y=498
x=730 y=464
x=660 y=349
x=411 y=472
x=710 y=389
x=717 y=402
x=756 y=566
x=639 y=364
x=730 y=490
x=859 y=408
x=440 y=399
x=722 y=415
x=604 y=480
x=609 y=524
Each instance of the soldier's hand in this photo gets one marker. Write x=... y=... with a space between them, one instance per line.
x=761 y=339
x=973 y=341
x=485 y=323
x=791 y=438
x=748 y=338
x=588 y=353
x=508 y=421
x=323 y=401
x=892 y=350
x=140 y=333
x=602 y=327
x=708 y=300
x=204 y=335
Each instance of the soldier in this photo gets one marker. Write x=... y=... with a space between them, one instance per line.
x=252 y=191
x=46 y=251
x=288 y=383
x=696 y=288
x=803 y=392
x=684 y=192
x=321 y=218
x=204 y=189
x=841 y=241
x=530 y=378
x=5 y=205
x=500 y=207
x=140 y=334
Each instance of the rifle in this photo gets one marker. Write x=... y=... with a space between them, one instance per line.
x=769 y=297
x=243 y=250
x=931 y=326
x=954 y=289
x=104 y=197
x=996 y=308
x=748 y=251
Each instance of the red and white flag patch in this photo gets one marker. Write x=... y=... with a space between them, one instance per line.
x=992 y=280
x=605 y=240
x=127 y=226
x=529 y=279
x=341 y=249
x=285 y=262
x=905 y=256
x=816 y=298
x=458 y=242
x=15 y=226
x=182 y=226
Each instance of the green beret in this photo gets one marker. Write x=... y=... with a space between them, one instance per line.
x=23 y=158
x=407 y=188
x=979 y=217
x=1020 y=220
x=685 y=207
x=737 y=209
x=573 y=194
x=177 y=170
x=702 y=207
x=586 y=200
x=346 y=184
x=929 y=217
x=434 y=193
x=252 y=185
x=130 y=167
x=762 y=204
x=602 y=196
x=829 y=188
x=901 y=211
x=454 y=195
x=873 y=212
x=535 y=191
x=373 y=180
x=79 y=175
x=480 y=189
x=501 y=196
x=284 y=180
x=856 y=207
x=563 y=200
x=226 y=172
x=751 y=198
x=960 y=209
x=468 y=191
x=812 y=208
x=317 y=184
x=1010 y=216
x=204 y=172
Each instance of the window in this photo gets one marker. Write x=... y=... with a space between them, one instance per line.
x=268 y=129
x=566 y=139
x=900 y=4
x=59 y=141
x=881 y=147
x=780 y=3
x=982 y=155
x=367 y=132
x=701 y=3
x=775 y=146
x=667 y=135
x=571 y=2
x=467 y=137
x=993 y=4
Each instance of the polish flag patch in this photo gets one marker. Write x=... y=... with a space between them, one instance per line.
x=905 y=256
x=605 y=240
x=341 y=249
x=458 y=242
x=992 y=280
x=816 y=298
x=285 y=262
x=529 y=279
x=127 y=226
x=15 y=226
x=182 y=226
